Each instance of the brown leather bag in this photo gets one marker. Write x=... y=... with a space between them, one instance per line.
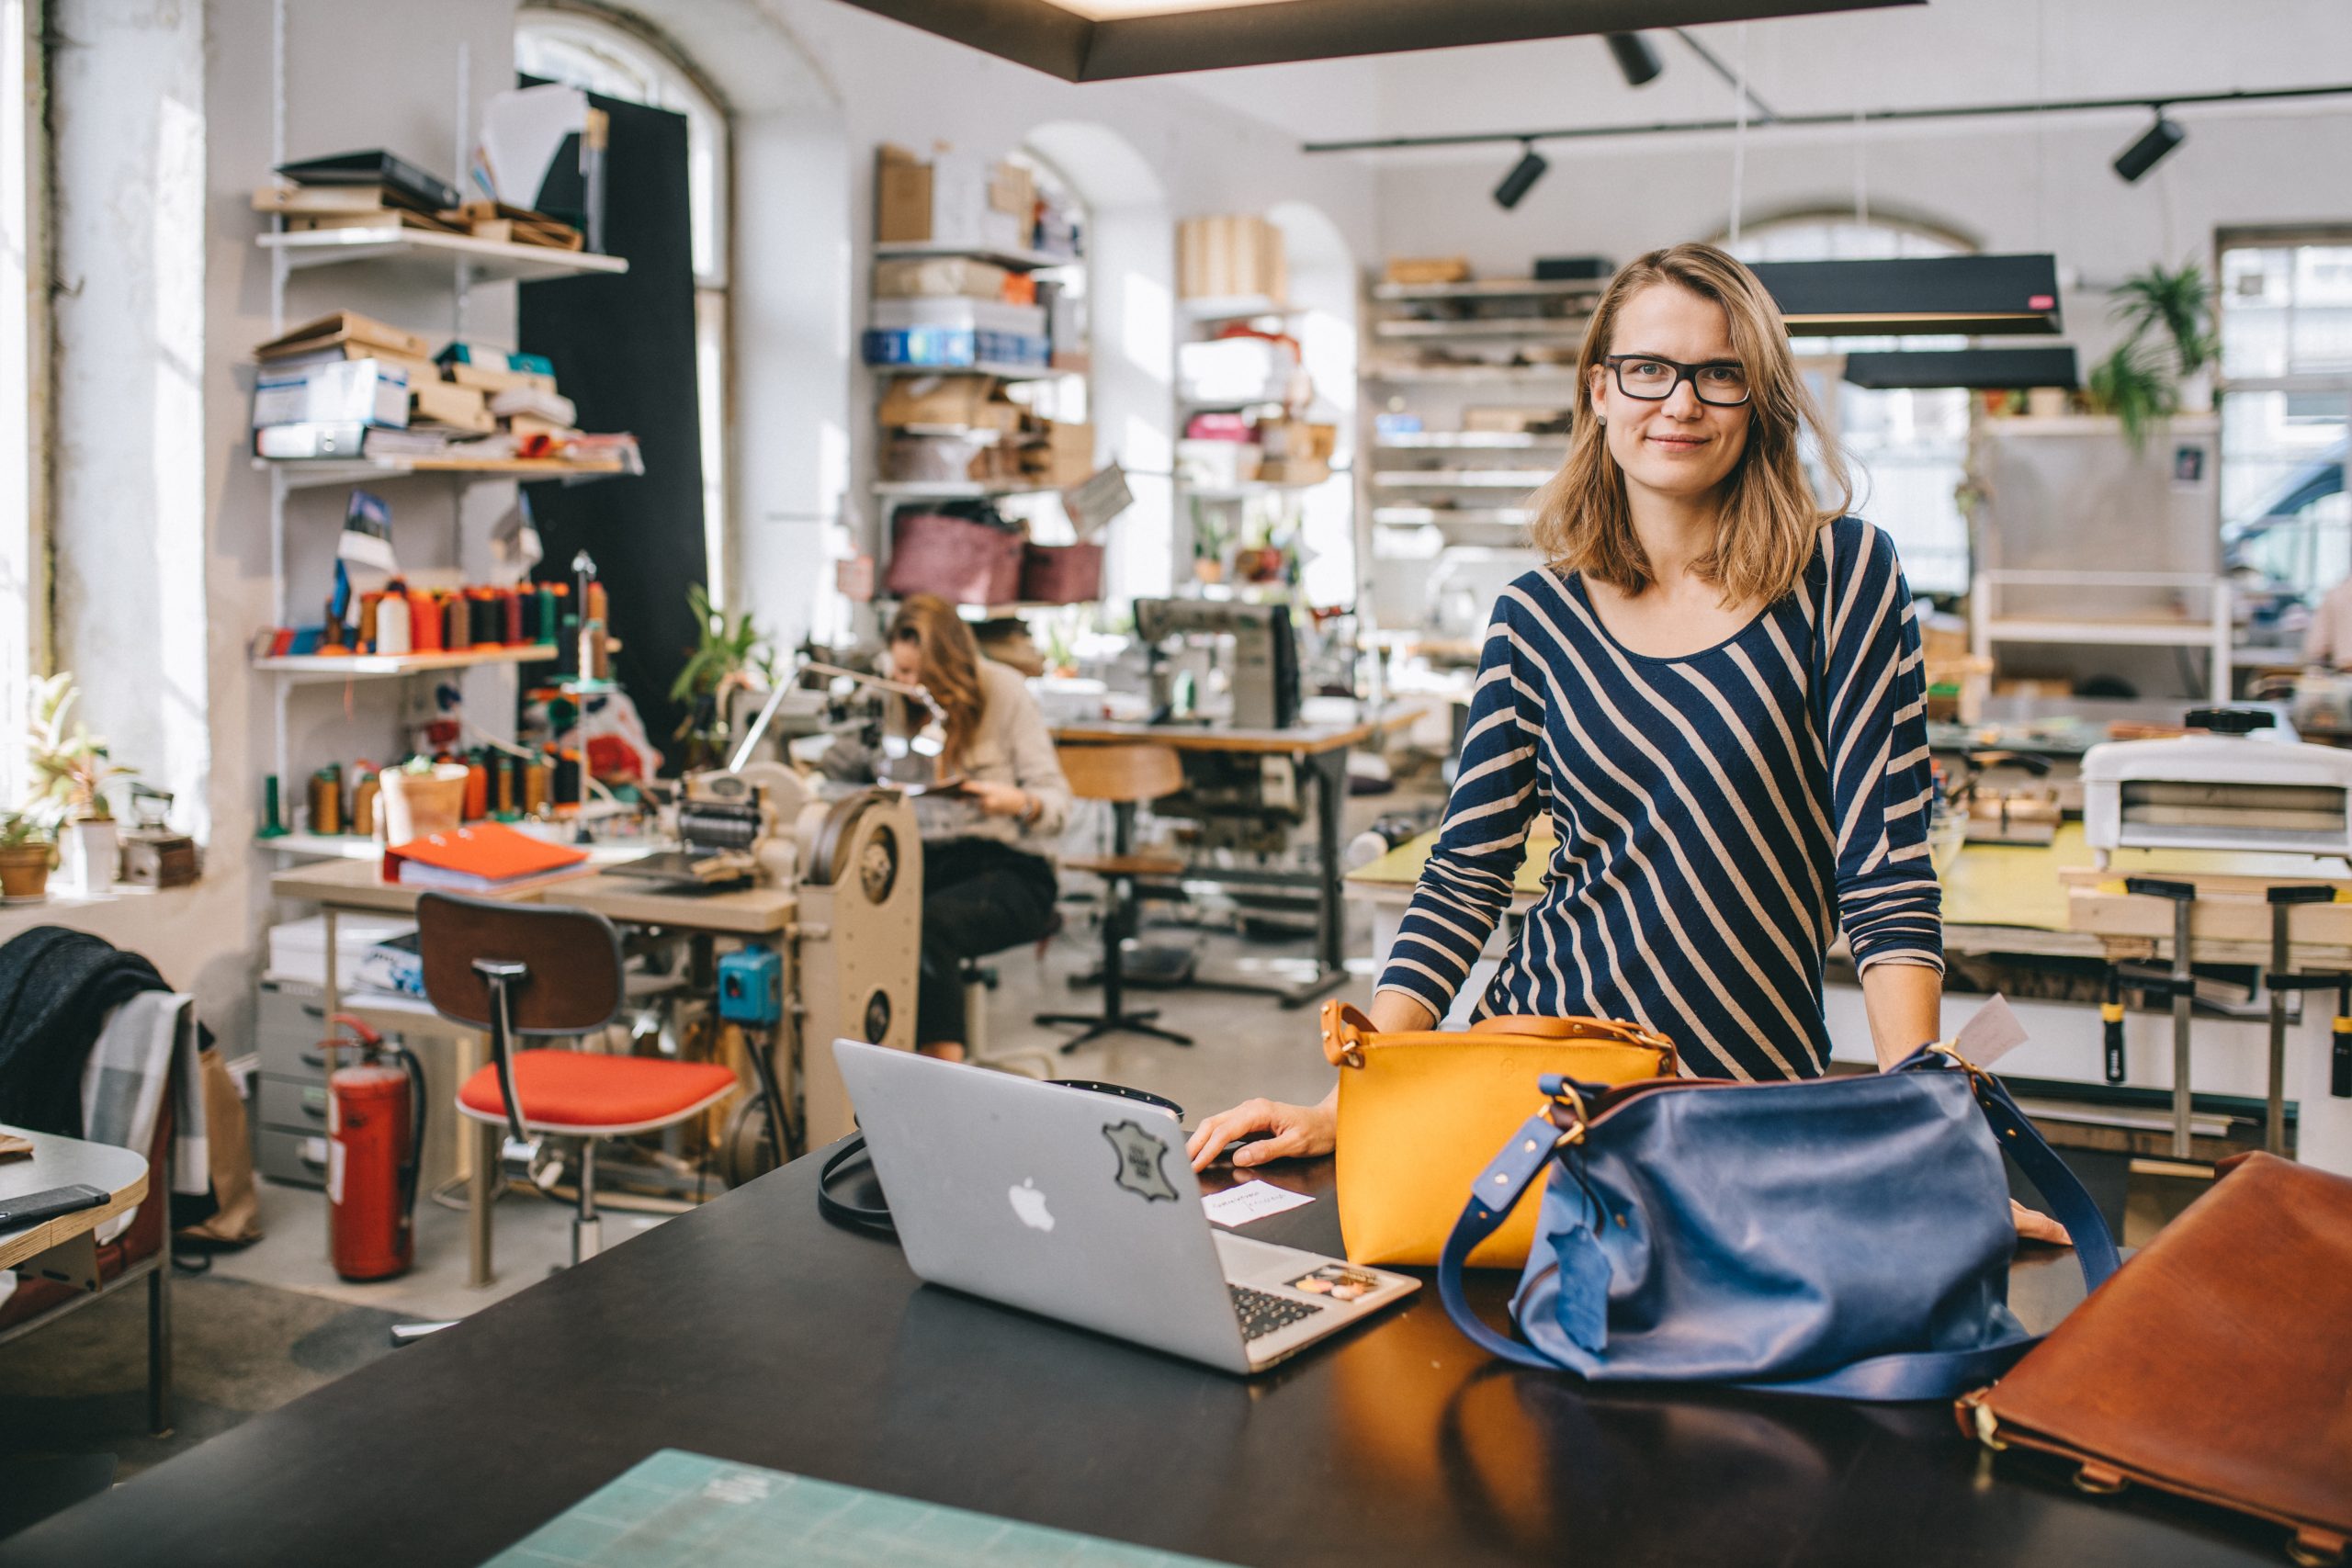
x=2216 y=1364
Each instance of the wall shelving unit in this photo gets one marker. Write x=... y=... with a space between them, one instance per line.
x=892 y=494
x=1435 y=350
x=466 y=263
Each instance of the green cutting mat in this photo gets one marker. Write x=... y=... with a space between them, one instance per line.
x=677 y=1508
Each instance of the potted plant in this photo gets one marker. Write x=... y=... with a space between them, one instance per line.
x=728 y=650
x=2168 y=340
x=71 y=771
x=27 y=846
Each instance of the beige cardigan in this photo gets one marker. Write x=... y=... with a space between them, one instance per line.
x=1011 y=746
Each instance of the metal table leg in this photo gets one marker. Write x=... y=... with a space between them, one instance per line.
x=159 y=1343
x=2184 y=994
x=482 y=1170
x=2280 y=980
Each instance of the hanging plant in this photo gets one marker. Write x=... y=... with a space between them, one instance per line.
x=2178 y=304
x=2168 y=336
x=2135 y=385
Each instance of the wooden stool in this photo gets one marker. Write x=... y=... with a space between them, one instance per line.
x=1125 y=776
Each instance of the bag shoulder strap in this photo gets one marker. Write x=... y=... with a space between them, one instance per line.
x=1932 y=1373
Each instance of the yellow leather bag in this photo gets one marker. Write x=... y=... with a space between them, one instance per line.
x=1422 y=1113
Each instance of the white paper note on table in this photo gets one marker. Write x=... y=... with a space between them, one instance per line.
x=1251 y=1200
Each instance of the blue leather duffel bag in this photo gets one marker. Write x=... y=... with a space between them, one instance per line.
x=1848 y=1237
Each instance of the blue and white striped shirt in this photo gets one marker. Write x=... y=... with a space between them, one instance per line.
x=1714 y=831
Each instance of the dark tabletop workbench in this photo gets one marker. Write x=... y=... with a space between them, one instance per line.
x=754 y=1331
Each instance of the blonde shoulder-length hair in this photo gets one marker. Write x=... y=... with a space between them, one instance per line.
x=1769 y=516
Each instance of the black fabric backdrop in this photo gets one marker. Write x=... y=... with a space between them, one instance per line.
x=624 y=351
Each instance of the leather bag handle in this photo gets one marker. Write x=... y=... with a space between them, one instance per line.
x=1927 y=1374
x=1348 y=1034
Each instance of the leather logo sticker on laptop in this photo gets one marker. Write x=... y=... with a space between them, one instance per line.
x=1142 y=1171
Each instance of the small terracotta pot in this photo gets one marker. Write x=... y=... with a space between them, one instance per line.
x=24 y=870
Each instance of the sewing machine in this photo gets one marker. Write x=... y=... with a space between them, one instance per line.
x=2235 y=788
x=1262 y=678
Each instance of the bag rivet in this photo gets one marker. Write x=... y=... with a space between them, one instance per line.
x=1530 y=1146
x=1501 y=1178
x=1621 y=1222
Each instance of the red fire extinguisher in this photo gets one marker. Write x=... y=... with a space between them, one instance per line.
x=374 y=1138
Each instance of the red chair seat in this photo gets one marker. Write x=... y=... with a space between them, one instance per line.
x=576 y=1091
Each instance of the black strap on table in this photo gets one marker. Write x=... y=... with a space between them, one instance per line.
x=875 y=1219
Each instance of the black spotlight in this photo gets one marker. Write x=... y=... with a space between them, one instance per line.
x=1636 y=58
x=1523 y=174
x=2150 y=150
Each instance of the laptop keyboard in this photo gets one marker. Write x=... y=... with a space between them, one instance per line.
x=1262 y=1313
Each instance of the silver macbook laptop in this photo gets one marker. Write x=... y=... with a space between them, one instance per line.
x=1082 y=1207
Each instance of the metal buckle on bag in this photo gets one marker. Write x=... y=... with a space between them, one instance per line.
x=1568 y=1099
x=1976 y=1074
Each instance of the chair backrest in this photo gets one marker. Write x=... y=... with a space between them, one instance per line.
x=1126 y=772
x=573 y=957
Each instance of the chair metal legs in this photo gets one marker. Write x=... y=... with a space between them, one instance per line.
x=587 y=1230
x=1112 y=1019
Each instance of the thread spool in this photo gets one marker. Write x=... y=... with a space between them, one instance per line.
x=507 y=789
x=539 y=780
x=457 y=625
x=369 y=604
x=391 y=623
x=364 y=788
x=326 y=799
x=424 y=622
x=477 y=789
x=510 y=614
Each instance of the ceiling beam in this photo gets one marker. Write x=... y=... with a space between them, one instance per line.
x=1045 y=37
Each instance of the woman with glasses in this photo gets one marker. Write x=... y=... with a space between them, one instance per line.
x=1713 y=692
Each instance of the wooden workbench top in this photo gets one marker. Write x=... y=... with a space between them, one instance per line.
x=748 y=912
x=1299 y=740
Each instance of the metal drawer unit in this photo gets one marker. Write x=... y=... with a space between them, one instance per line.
x=290 y=1098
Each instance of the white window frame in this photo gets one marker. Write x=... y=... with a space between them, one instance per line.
x=24 y=380
x=2335 y=383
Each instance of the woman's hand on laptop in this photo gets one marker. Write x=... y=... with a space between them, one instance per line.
x=1266 y=1129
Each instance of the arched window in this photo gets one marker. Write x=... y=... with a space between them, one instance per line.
x=602 y=56
x=1908 y=448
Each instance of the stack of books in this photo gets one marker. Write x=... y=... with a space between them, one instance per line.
x=375 y=189
x=348 y=386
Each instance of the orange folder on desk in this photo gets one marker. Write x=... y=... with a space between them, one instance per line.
x=485 y=858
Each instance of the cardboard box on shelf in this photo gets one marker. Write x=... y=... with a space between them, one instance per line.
x=491 y=378
x=1234 y=254
x=1294 y=470
x=1519 y=421
x=1427 y=269
x=1062 y=455
x=946 y=201
x=974 y=401
x=344 y=327
x=916 y=278
x=344 y=392
x=445 y=402
x=1297 y=439
x=1217 y=464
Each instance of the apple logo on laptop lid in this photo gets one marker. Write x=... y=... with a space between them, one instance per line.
x=1029 y=1204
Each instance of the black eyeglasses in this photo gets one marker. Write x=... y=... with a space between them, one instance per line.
x=1720 y=382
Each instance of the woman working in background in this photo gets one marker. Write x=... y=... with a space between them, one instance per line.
x=988 y=880
x=1713 y=690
